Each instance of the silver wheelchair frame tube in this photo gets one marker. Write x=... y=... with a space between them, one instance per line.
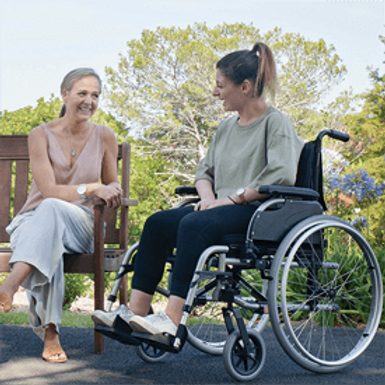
x=120 y=274
x=263 y=207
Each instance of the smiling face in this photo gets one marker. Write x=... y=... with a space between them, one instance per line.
x=83 y=98
x=231 y=94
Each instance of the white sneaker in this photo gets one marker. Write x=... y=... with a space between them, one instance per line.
x=102 y=317
x=158 y=323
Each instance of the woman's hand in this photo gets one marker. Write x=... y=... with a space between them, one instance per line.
x=206 y=204
x=111 y=194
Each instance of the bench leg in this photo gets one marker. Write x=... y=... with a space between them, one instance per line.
x=123 y=294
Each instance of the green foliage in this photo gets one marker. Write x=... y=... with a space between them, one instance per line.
x=76 y=285
x=17 y=318
x=25 y=119
x=380 y=254
x=152 y=186
x=162 y=86
x=68 y=319
x=366 y=149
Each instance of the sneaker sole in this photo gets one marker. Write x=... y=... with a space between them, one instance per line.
x=139 y=328
x=98 y=321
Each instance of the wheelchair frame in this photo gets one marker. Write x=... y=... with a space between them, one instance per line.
x=310 y=295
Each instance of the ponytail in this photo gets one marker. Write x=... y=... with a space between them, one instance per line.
x=63 y=110
x=266 y=79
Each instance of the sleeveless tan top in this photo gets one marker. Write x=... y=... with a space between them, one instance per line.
x=86 y=169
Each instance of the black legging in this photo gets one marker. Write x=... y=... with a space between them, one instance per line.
x=191 y=233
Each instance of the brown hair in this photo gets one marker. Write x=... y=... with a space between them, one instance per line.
x=256 y=65
x=70 y=79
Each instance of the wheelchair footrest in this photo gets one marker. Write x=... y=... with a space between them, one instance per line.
x=120 y=331
x=164 y=342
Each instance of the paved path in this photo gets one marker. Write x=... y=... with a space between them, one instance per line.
x=20 y=364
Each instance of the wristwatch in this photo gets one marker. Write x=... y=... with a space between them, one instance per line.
x=81 y=190
x=241 y=193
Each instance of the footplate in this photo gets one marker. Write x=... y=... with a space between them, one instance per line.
x=119 y=331
x=164 y=342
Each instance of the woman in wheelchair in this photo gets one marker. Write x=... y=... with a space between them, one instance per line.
x=256 y=146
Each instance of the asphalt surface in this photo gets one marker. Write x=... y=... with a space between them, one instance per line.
x=20 y=364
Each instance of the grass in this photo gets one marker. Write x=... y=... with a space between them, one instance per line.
x=69 y=319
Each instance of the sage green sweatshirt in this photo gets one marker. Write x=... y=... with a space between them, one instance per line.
x=237 y=155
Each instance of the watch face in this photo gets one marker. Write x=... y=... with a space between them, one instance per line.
x=240 y=191
x=81 y=189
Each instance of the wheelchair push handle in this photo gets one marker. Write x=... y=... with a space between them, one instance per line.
x=342 y=136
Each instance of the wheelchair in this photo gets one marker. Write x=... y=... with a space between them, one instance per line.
x=293 y=270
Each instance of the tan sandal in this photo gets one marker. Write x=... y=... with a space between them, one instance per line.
x=5 y=303
x=54 y=354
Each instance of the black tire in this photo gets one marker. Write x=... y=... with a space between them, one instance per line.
x=326 y=295
x=243 y=366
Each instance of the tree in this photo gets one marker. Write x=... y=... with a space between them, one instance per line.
x=162 y=86
x=367 y=146
x=25 y=119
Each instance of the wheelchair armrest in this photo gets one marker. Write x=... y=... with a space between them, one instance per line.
x=186 y=190
x=289 y=192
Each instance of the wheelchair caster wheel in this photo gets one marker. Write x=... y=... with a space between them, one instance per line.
x=240 y=364
x=150 y=354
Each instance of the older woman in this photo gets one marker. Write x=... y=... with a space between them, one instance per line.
x=257 y=146
x=69 y=157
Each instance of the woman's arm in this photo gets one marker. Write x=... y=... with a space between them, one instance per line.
x=206 y=193
x=110 y=189
x=208 y=200
x=250 y=195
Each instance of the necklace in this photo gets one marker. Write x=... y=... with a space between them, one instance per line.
x=73 y=152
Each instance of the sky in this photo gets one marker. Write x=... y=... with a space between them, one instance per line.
x=42 y=40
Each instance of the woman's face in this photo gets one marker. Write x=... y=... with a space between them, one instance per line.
x=83 y=98
x=226 y=90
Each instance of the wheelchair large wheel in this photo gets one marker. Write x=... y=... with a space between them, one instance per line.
x=206 y=327
x=325 y=298
x=241 y=364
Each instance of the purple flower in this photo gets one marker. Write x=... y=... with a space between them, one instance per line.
x=361 y=185
x=360 y=221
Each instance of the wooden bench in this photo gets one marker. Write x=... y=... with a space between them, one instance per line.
x=14 y=185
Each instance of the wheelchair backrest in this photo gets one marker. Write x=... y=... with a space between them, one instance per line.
x=309 y=173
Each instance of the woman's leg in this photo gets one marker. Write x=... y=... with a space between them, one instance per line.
x=12 y=283
x=140 y=302
x=158 y=239
x=56 y=227
x=53 y=352
x=197 y=231
x=157 y=242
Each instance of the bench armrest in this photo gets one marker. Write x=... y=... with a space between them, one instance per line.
x=124 y=202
